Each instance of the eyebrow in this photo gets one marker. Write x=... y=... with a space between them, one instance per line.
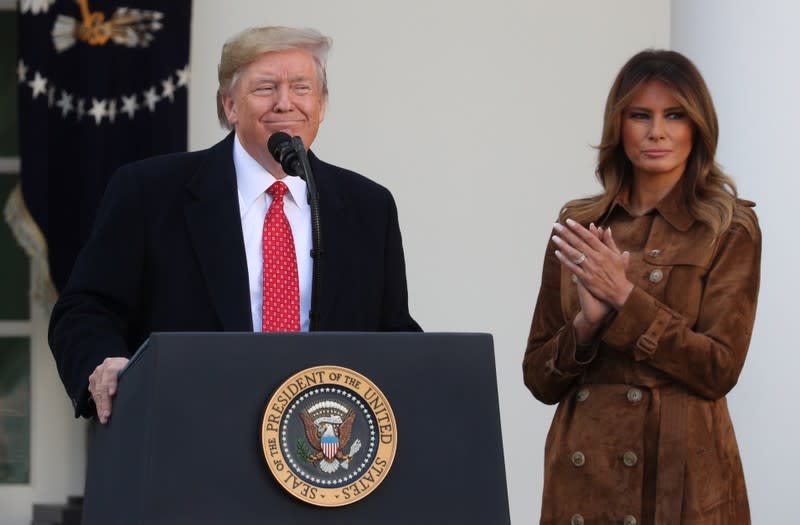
x=276 y=78
x=647 y=110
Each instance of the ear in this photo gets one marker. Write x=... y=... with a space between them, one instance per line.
x=229 y=105
x=323 y=107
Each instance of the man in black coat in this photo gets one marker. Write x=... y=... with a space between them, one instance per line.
x=177 y=241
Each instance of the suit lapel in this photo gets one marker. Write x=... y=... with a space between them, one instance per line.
x=211 y=209
x=335 y=217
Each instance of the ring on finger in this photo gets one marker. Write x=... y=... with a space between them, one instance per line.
x=580 y=259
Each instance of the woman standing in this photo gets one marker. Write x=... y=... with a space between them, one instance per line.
x=644 y=316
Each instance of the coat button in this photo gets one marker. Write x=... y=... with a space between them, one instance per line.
x=574 y=279
x=578 y=459
x=629 y=520
x=655 y=253
x=577 y=519
x=630 y=459
x=634 y=395
x=656 y=276
x=582 y=394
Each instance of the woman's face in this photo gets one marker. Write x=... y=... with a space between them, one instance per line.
x=656 y=133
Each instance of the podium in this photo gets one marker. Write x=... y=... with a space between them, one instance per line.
x=184 y=441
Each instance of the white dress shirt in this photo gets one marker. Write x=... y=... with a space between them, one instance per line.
x=252 y=181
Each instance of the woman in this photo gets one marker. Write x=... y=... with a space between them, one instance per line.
x=644 y=316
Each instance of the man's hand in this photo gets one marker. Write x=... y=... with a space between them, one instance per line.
x=103 y=385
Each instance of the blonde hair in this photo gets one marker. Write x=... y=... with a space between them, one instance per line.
x=244 y=48
x=710 y=195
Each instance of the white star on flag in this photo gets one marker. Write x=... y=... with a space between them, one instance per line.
x=65 y=103
x=129 y=105
x=22 y=71
x=150 y=99
x=169 y=89
x=39 y=85
x=183 y=76
x=98 y=110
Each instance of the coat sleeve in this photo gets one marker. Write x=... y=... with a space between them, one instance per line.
x=551 y=363
x=708 y=356
x=90 y=320
x=395 y=316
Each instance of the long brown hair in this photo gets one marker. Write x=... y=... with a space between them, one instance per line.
x=710 y=195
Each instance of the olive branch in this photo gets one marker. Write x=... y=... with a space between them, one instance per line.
x=303 y=451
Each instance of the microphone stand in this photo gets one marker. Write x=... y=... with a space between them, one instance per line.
x=316 y=231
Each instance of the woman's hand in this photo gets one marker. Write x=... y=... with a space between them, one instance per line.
x=598 y=269
x=590 y=317
x=593 y=257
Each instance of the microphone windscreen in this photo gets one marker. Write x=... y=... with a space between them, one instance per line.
x=276 y=140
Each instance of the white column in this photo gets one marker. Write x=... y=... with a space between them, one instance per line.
x=748 y=53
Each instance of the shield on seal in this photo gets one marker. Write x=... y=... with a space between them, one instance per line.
x=330 y=445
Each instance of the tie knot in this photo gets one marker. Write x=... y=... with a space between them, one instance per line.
x=278 y=190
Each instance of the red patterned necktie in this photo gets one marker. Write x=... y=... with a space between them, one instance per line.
x=280 y=311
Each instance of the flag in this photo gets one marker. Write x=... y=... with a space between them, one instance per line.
x=101 y=83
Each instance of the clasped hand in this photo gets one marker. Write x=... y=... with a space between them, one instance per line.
x=599 y=268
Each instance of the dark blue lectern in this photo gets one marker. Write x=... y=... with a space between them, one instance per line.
x=183 y=445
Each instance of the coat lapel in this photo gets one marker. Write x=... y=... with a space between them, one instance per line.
x=211 y=209
x=335 y=218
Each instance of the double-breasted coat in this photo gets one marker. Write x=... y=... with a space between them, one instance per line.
x=642 y=432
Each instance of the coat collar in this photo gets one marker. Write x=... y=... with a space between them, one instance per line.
x=672 y=208
x=332 y=195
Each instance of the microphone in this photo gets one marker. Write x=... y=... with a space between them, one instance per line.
x=291 y=155
x=282 y=150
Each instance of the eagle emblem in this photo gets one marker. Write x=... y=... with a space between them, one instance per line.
x=127 y=27
x=328 y=425
x=329 y=435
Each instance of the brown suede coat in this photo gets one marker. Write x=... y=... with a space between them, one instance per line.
x=642 y=433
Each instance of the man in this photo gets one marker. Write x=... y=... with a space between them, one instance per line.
x=191 y=241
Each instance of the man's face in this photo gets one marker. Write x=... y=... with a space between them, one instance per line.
x=278 y=91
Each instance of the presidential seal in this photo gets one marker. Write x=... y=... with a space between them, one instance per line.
x=329 y=436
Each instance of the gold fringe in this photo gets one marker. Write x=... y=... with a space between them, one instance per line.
x=30 y=238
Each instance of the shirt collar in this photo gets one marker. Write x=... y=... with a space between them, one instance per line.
x=253 y=179
x=672 y=208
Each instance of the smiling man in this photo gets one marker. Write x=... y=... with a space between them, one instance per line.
x=220 y=239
